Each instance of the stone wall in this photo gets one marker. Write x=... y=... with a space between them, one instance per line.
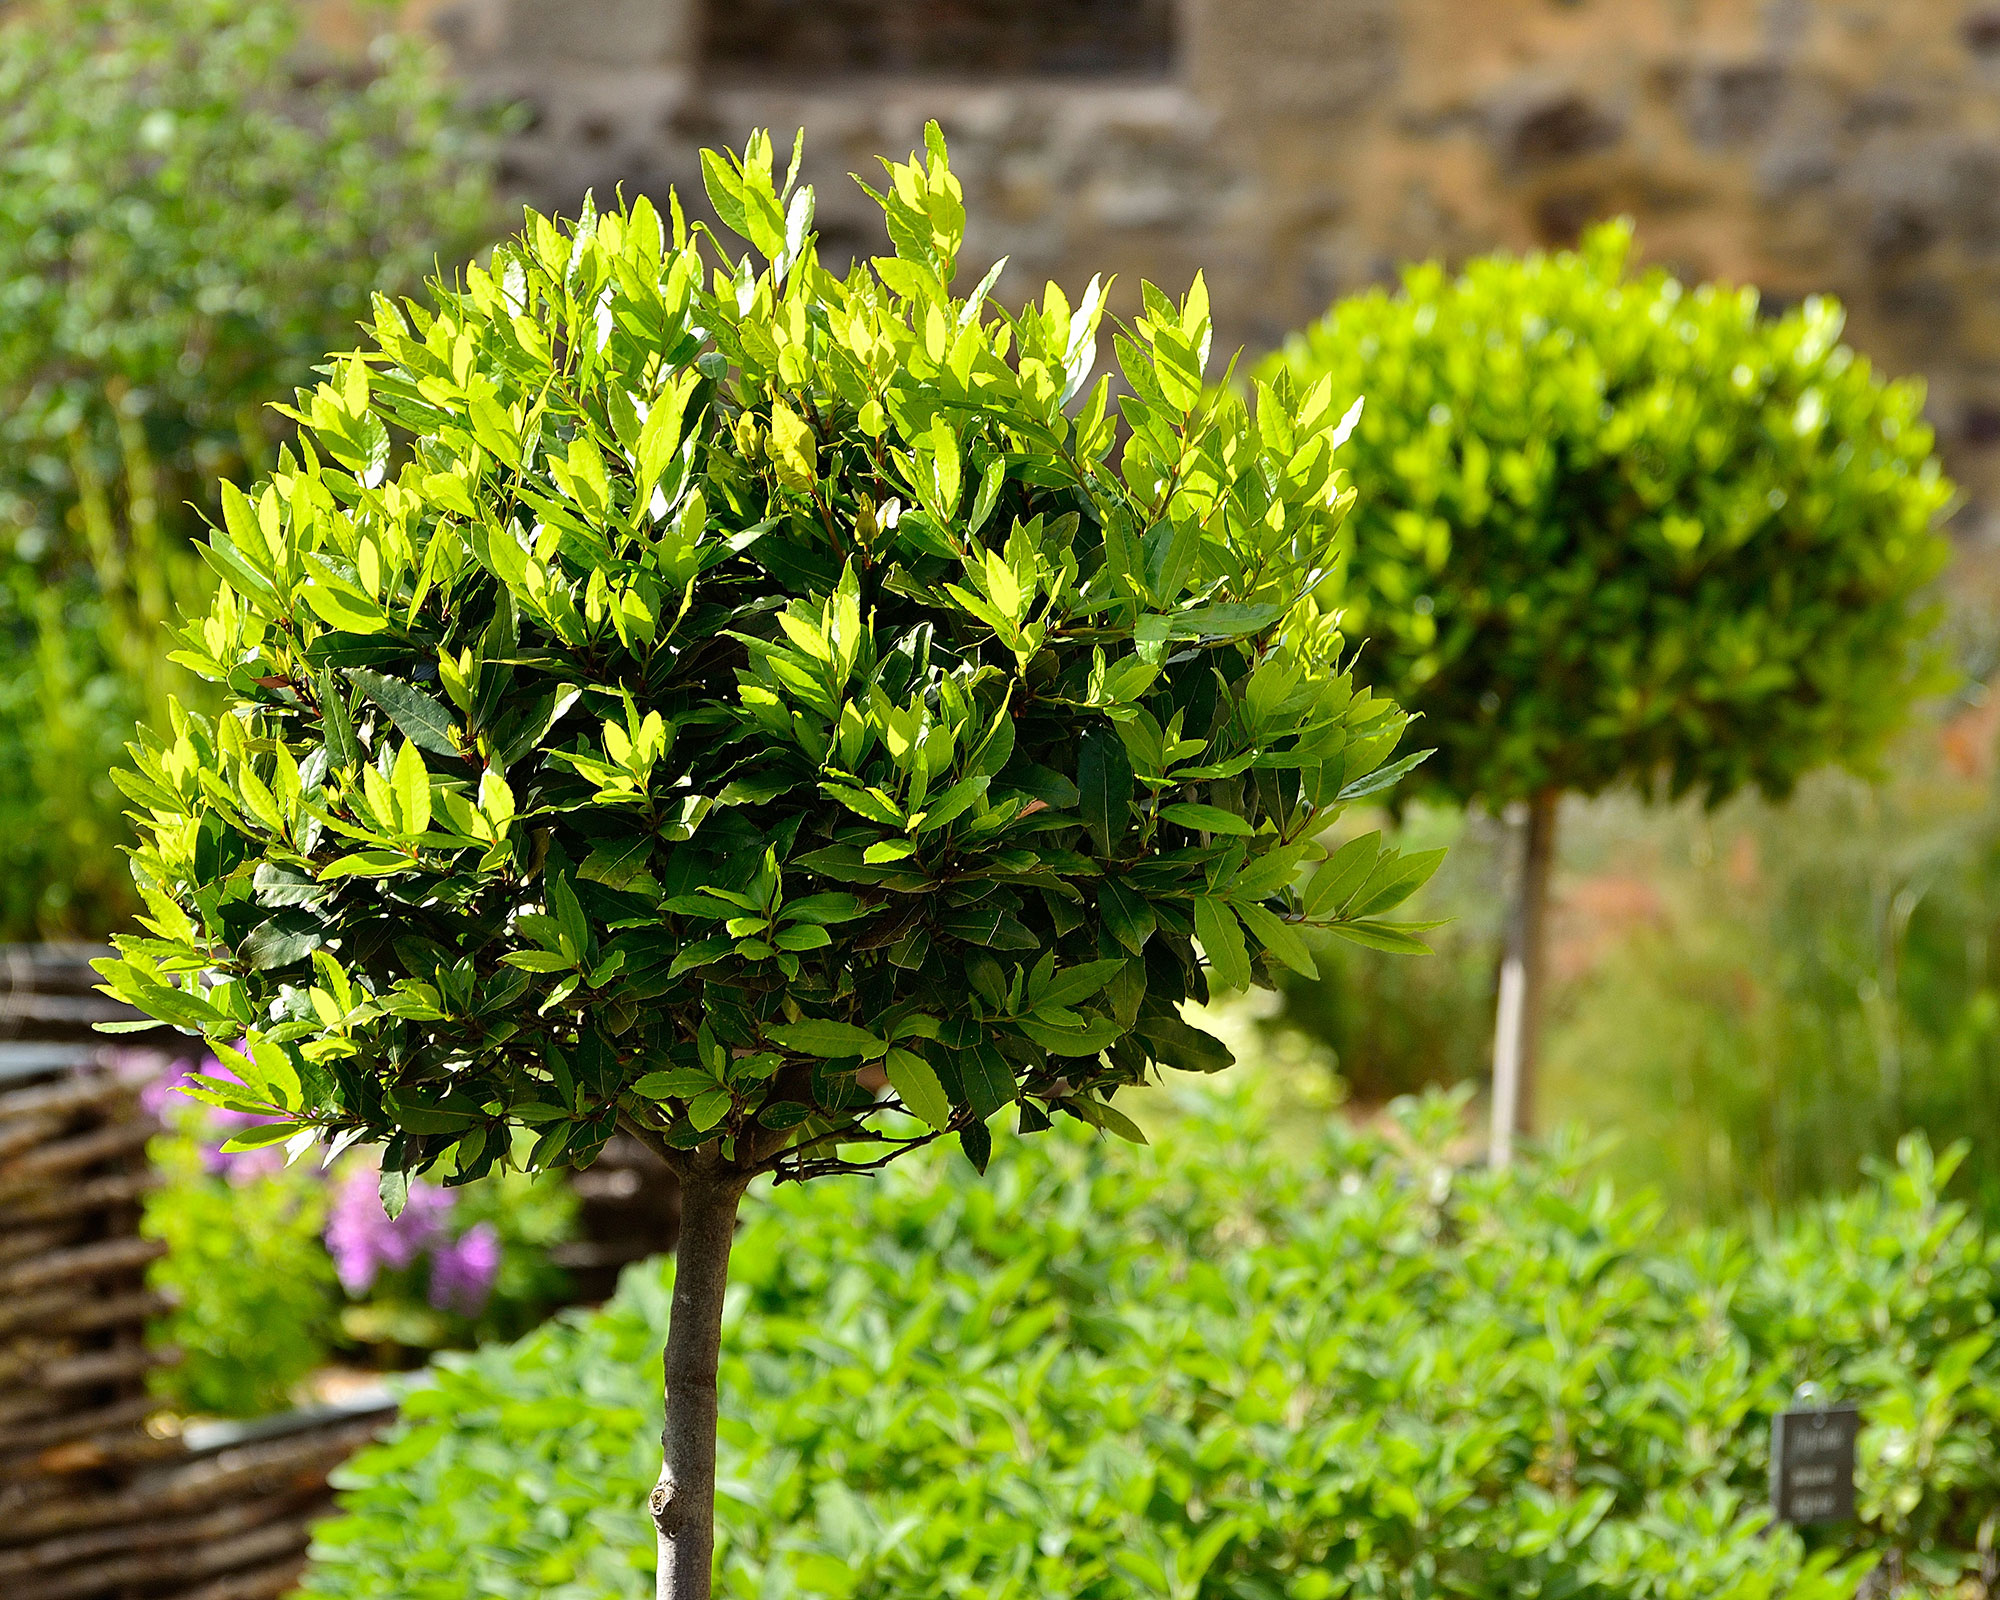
x=1297 y=149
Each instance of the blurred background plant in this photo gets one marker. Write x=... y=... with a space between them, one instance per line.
x=1750 y=1002
x=1616 y=531
x=190 y=218
x=279 y=1271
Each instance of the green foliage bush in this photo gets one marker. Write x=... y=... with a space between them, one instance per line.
x=256 y=1305
x=1214 y=1370
x=1615 y=529
x=187 y=225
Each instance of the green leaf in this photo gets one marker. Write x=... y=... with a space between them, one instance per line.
x=367 y=864
x=1207 y=819
x=1221 y=938
x=284 y=886
x=829 y=1041
x=567 y=911
x=700 y=954
x=282 y=940
x=823 y=908
x=422 y=718
x=806 y=936
x=496 y=800
x=1390 y=936
x=1088 y=1039
x=1102 y=1114
x=412 y=786
x=1104 y=786
x=706 y=1110
x=976 y=1140
x=1071 y=984
x=540 y=960
x=343 y=750
x=869 y=803
x=1222 y=621
x=1381 y=778
x=342 y=606
x=987 y=923
x=1178 y=1043
x=1394 y=880
x=1345 y=871
x=1279 y=937
x=953 y=803
x=794 y=450
x=1126 y=914
x=916 y=1082
x=618 y=865
x=989 y=1082
x=262 y=1135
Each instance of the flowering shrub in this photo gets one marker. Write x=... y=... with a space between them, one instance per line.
x=278 y=1269
x=364 y=1239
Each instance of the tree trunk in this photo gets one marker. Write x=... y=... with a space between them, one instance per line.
x=683 y=1501
x=1518 y=1028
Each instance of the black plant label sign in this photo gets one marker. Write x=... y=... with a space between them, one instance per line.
x=1812 y=1464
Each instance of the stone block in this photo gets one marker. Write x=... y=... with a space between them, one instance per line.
x=1281 y=58
x=1972 y=183
x=1537 y=123
x=1727 y=103
x=610 y=33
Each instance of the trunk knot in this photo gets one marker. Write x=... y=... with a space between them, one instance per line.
x=661 y=1497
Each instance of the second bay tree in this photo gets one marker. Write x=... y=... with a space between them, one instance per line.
x=791 y=717
x=1616 y=530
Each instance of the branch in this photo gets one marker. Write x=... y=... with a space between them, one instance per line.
x=801 y=1171
x=650 y=1138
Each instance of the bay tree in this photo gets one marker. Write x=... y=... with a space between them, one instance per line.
x=1615 y=530
x=793 y=718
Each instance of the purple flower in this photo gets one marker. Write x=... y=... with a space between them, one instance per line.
x=163 y=1097
x=463 y=1270
x=157 y=1075
x=363 y=1239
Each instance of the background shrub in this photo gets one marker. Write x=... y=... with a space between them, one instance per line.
x=256 y=1304
x=188 y=222
x=1111 y=1373
x=1614 y=530
x=1805 y=985
x=276 y=1271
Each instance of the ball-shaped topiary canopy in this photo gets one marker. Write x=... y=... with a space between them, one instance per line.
x=1615 y=529
x=710 y=697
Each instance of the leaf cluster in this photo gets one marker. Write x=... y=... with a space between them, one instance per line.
x=690 y=691
x=1216 y=1371
x=1616 y=529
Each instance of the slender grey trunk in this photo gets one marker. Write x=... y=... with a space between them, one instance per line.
x=683 y=1501
x=1518 y=1028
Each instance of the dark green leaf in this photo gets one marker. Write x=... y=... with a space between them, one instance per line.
x=1104 y=786
x=423 y=719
